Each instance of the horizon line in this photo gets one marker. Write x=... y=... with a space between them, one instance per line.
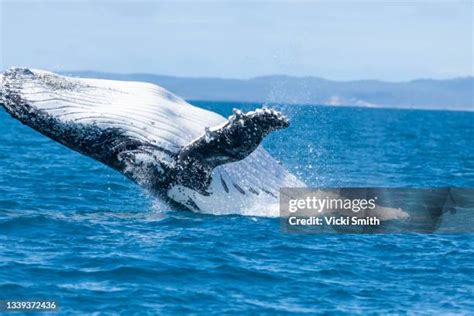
x=271 y=75
x=459 y=77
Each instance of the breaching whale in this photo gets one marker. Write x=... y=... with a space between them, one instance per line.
x=186 y=155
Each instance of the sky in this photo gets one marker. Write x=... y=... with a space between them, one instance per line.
x=340 y=40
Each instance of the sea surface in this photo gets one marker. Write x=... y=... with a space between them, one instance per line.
x=78 y=232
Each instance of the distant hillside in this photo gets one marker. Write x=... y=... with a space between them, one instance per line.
x=455 y=94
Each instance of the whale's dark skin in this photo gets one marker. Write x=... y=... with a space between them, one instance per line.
x=233 y=141
x=191 y=166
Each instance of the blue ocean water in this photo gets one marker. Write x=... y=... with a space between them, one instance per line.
x=77 y=232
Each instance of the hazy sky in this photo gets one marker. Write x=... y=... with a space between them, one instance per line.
x=391 y=40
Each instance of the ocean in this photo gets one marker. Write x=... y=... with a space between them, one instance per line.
x=77 y=232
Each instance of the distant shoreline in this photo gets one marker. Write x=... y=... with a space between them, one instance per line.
x=240 y=103
x=422 y=94
x=449 y=94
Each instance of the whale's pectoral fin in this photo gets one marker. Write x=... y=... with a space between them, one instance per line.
x=232 y=141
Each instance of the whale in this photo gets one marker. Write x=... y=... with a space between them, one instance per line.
x=186 y=156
